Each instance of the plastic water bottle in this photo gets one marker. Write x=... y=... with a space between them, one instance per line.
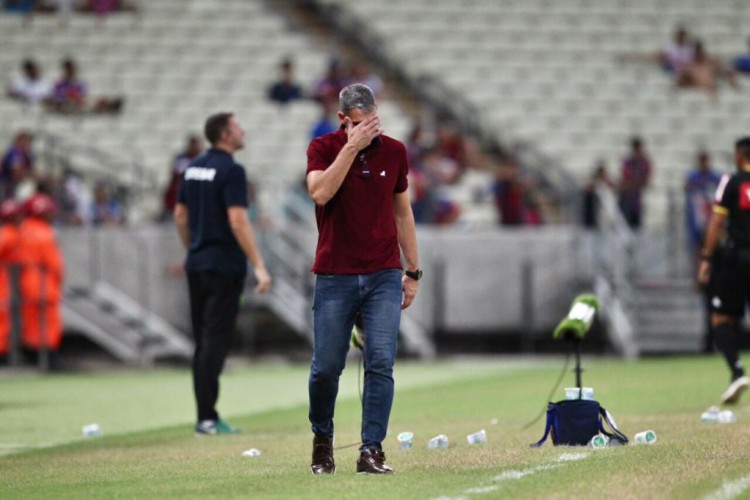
x=711 y=415
x=477 y=437
x=91 y=430
x=645 y=437
x=406 y=440
x=438 y=442
x=572 y=393
x=599 y=441
x=726 y=417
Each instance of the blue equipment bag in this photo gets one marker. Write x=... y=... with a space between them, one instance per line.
x=573 y=422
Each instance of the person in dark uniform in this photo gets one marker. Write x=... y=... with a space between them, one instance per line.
x=357 y=178
x=212 y=221
x=732 y=280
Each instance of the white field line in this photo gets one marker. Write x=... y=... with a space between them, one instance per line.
x=518 y=474
x=730 y=489
x=15 y=446
x=12 y=448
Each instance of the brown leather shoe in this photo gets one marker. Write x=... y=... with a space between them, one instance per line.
x=372 y=462
x=322 y=456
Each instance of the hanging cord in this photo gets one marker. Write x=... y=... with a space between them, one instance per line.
x=359 y=390
x=552 y=392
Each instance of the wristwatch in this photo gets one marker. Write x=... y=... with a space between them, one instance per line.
x=415 y=275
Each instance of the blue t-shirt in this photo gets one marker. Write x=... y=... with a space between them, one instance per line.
x=211 y=184
x=700 y=189
x=742 y=64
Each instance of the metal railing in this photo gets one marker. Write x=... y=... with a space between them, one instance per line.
x=613 y=249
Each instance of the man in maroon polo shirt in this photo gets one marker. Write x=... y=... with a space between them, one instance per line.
x=357 y=178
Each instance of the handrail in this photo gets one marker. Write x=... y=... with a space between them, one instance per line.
x=613 y=268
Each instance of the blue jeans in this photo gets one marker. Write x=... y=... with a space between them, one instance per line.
x=337 y=299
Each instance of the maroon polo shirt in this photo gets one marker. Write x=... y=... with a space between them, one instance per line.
x=356 y=228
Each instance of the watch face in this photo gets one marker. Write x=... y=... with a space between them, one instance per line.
x=415 y=275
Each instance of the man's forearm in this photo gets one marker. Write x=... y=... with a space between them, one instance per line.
x=407 y=240
x=245 y=236
x=180 y=215
x=184 y=233
x=712 y=234
x=324 y=184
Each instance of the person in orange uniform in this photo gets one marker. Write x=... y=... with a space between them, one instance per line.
x=11 y=212
x=41 y=276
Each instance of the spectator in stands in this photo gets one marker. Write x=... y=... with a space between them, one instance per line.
x=741 y=63
x=361 y=73
x=74 y=199
x=24 y=7
x=329 y=86
x=635 y=175
x=703 y=72
x=30 y=87
x=106 y=209
x=17 y=164
x=285 y=89
x=11 y=213
x=700 y=189
x=419 y=195
x=416 y=143
x=193 y=148
x=41 y=276
x=510 y=193
x=70 y=94
x=438 y=172
x=64 y=8
x=105 y=7
x=328 y=121
x=599 y=180
x=451 y=143
x=679 y=53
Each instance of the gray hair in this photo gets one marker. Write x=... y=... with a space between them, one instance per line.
x=356 y=96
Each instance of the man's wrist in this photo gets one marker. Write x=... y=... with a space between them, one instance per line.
x=416 y=275
x=351 y=147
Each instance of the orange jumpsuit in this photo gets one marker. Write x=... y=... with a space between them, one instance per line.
x=9 y=238
x=41 y=284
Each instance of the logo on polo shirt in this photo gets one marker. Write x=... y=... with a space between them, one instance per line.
x=745 y=196
x=200 y=174
x=382 y=173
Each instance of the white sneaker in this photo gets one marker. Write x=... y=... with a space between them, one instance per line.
x=205 y=428
x=735 y=390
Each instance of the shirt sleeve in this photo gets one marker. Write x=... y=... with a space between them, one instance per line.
x=235 y=189
x=725 y=195
x=402 y=183
x=317 y=158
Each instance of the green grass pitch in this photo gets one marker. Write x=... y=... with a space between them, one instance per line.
x=148 y=449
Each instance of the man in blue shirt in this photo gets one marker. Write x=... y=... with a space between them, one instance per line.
x=211 y=219
x=700 y=188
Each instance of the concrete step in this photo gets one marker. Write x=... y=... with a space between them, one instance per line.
x=670 y=344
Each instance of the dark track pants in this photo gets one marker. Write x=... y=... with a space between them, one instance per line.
x=214 y=302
